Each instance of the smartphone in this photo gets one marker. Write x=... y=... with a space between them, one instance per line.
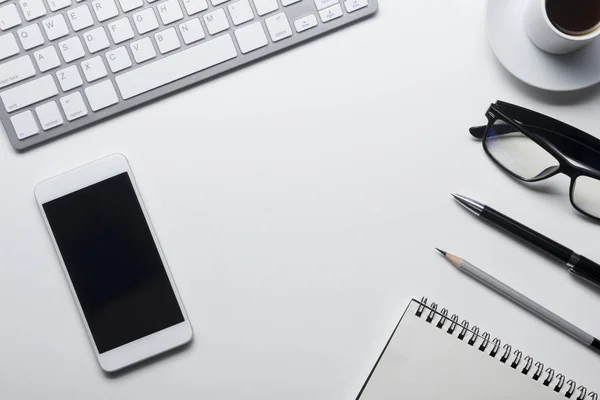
x=113 y=262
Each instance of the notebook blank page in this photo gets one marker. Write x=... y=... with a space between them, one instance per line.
x=424 y=362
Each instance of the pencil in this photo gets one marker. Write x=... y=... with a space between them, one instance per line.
x=522 y=301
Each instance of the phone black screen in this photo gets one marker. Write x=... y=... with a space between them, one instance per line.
x=113 y=262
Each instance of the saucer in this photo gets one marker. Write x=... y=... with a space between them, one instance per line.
x=514 y=50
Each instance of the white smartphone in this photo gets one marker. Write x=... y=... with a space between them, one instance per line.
x=114 y=265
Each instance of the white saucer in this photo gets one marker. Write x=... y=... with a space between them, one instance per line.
x=510 y=43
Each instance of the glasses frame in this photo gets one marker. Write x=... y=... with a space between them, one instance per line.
x=560 y=140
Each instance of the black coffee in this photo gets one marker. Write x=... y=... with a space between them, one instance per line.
x=574 y=17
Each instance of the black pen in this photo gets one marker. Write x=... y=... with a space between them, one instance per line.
x=578 y=265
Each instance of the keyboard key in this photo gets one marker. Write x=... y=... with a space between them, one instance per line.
x=194 y=6
x=80 y=18
x=32 y=9
x=323 y=4
x=71 y=49
x=169 y=11
x=56 y=5
x=279 y=27
x=9 y=17
x=355 y=5
x=167 y=40
x=263 y=7
x=331 y=13
x=8 y=46
x=251 y=37
x=128 y=5
x=15 y=71
x=101 y=95
x=121 y=30
x=49 y=115
x=94 y=69
x=171 y=68
x=118 y=59
x=216 y=21
x=73 y=106
x=240 y=12
x=217 y=2
x=145 y=21
x=29 y=93
x=69 y=78
x=25 y=125
x=143 y=50
x=305 y=23
x=191 y=31
x=96 y=40
x=30 y=36
x=289 y=2
x=46 y=59
x=105 y=9
x=55 y=27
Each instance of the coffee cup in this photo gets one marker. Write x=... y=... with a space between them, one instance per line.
x=562 y=26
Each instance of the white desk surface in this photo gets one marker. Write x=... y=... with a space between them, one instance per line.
x=298 y=202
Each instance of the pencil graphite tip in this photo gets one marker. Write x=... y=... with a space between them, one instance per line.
x=454 y=260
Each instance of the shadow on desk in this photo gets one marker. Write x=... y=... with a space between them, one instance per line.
x=146 y=363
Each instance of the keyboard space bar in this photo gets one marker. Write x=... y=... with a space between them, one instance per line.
x=177 y=66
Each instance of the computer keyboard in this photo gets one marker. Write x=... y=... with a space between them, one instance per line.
x=65 y=64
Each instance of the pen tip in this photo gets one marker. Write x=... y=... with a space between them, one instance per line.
x=441 y=251
x=456 y=196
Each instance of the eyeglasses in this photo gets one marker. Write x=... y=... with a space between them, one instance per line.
x=533 y=147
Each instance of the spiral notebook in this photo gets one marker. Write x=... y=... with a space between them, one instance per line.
x=433 y=356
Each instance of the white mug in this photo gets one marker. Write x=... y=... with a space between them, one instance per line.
x=546 y=36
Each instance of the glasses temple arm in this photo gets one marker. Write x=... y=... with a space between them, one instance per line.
x=530 y=117
x=478 y=131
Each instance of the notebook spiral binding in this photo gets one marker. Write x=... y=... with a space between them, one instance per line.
x=503 y=353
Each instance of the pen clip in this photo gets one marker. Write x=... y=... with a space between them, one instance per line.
x=584 y=277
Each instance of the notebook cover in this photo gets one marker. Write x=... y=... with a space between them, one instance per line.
x=422 y=360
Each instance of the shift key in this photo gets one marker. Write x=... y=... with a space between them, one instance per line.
x=29 y=93
x=15 y=71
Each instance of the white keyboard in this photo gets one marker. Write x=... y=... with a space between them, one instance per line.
x=65 y=64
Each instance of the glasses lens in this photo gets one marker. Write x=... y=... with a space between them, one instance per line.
x=586 y=195
x=518 y=153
